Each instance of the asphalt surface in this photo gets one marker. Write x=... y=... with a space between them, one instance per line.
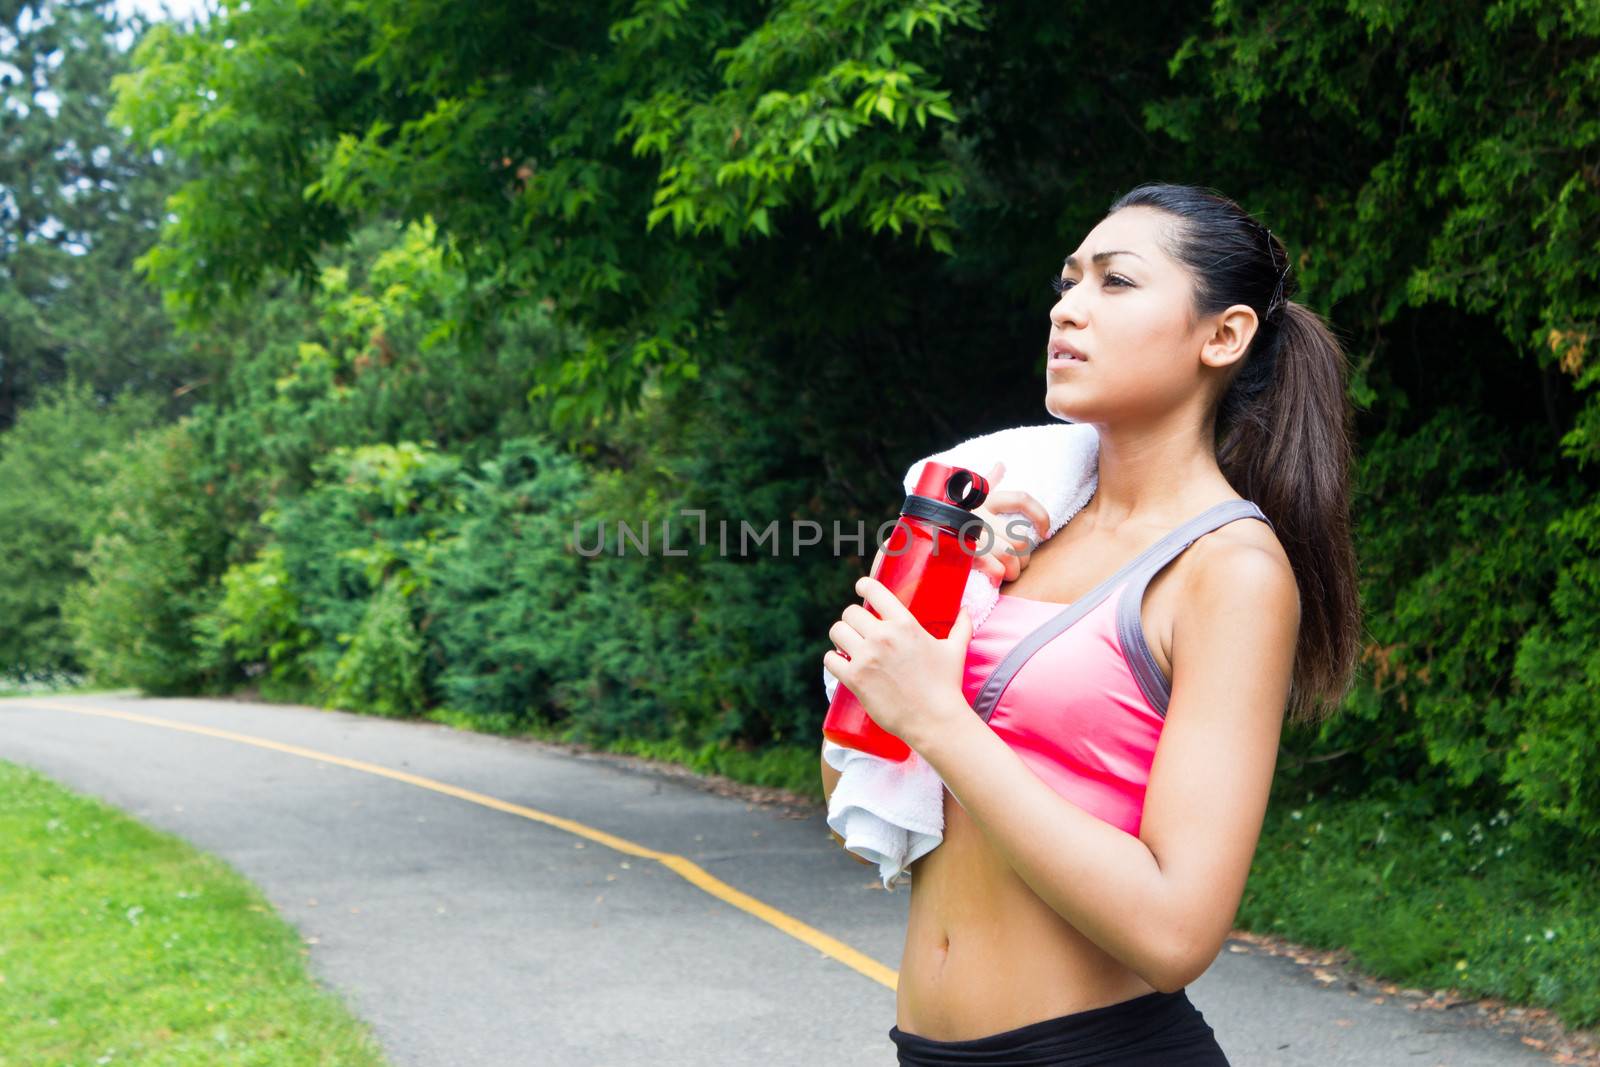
x=473 y=936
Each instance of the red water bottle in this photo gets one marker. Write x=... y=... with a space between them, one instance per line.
x=925 y=563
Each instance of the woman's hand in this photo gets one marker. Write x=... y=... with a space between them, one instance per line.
x=1004 y=555
x=904 y=677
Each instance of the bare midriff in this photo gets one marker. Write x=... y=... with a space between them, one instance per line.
x=985 y=954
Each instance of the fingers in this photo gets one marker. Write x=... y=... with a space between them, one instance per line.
x=852 y=631
x=858 y=618
x=990 y=565
x=1001 y=562
x=989 y=549
x=1013 y=568
x=985 y=549
x=883 y=600
x=1014 y=500
x=845 y=638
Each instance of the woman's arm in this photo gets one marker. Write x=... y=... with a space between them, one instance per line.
x=830 y=778
x=1164 y=901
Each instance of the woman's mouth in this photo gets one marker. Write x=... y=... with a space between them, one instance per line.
x=1064 y=355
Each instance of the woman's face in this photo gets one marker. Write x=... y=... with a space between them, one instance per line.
x=1125 y=305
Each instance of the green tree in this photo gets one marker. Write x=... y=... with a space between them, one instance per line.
x=372 y=353
x=849 y=211
x=78 y=204
x=528 y=134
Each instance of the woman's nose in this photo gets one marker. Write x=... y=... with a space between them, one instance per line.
x=1063 y=312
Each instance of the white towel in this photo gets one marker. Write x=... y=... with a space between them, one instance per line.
x=892 y=813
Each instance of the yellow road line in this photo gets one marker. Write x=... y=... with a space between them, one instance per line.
x=687 y=869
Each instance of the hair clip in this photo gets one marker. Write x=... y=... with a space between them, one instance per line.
x=1283 y=275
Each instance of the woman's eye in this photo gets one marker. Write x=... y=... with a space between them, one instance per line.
x=1061 y=285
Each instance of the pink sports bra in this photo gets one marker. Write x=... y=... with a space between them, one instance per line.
x=1085 y=715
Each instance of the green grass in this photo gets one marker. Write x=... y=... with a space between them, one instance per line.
x=13 y=687
x=122 y=945
x=1464 y=900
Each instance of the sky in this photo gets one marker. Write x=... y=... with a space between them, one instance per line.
x=152 y=9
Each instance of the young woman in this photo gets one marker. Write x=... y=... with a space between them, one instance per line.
x=1108 y=736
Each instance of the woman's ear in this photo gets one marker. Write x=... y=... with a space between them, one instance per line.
x=1230 y=340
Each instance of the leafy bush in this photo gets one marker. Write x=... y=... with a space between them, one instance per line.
x=48 y=514
x=256 y=626
x=502 y=584
x=1551 y=760
x=1481 y=605
x=152 y=568
x=714 y=645
x=375 y=513
x=381 y=669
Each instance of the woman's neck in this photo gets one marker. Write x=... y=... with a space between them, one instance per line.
x=1153 y=478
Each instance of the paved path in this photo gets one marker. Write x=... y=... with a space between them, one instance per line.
x=470 y=934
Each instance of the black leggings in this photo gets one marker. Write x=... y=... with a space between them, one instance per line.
x=1154 y=1030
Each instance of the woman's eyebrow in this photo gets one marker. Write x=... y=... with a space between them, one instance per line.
x=1098 y=257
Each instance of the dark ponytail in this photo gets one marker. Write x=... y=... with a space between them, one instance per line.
x=1283 y=425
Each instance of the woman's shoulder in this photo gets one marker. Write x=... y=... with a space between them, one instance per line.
x=1240 y=560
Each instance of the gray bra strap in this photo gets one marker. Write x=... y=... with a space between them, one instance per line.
x=1129 y=628
x=1164 y=550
